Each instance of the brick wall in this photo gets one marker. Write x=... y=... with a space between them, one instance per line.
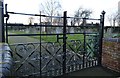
x=111 y=54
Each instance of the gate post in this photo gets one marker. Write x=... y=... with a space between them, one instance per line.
x=7 y=17
x=102 y=17
x=2 y=33
x=64 y=41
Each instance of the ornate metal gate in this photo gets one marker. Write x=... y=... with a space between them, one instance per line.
x=61 y=49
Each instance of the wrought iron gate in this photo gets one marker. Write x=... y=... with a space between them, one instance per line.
x=61 y=49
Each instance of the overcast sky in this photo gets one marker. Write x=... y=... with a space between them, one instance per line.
x=33 y=6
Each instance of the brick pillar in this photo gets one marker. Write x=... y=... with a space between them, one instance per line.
x=111 y=54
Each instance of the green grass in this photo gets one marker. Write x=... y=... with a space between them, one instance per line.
x=53 y=38
x=49 y=38
x=16 y=32
x=76 y=37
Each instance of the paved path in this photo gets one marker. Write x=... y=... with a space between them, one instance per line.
x=94 y=71
x=22 y=39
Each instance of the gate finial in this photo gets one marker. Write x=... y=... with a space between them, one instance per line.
x=103 y=12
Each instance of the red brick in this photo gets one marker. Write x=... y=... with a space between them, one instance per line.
x=110 y=57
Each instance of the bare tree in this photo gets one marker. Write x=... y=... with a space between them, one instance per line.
x=113 y=18
x=58 y=20
x=81 y=13
x=110 y=19
x=51 y=8
x=116 y=18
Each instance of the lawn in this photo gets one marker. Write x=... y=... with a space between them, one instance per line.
x=53 y=38
x=16 y=32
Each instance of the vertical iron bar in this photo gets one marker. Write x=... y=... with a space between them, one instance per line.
x=6 y=23
x=100 y=47
x=84 y=52
x=103 y=17
x=57 y=37
x=2 y=21
x=100 y=32
x=101 y=37
x=84 y=43
x=64 y=41
x=40 y=46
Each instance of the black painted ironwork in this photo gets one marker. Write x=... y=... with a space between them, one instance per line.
x=101 y=35
x=2 y=22
x=74 y=48
x=7 y=17
x=64 y=41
